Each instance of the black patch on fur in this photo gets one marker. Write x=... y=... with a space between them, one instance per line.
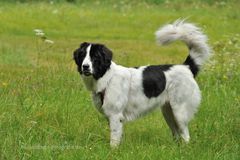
x=101 y=58
x=193 y=66
x=154 y=80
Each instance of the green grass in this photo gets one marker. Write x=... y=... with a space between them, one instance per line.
x=46 y=113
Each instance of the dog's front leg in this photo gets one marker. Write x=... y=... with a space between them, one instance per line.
x=116 y=128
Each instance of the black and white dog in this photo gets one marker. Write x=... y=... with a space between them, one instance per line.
x=123 y=94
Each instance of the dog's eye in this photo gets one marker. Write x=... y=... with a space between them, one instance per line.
x=95 y=61
x=81 y=53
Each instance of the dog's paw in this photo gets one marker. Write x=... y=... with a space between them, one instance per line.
x=114 y=143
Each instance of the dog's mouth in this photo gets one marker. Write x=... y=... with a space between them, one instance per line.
x=87 y=73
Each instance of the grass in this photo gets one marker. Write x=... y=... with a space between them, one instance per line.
x=46 y=113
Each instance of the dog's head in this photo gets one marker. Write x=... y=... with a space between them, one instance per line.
x=92 y=59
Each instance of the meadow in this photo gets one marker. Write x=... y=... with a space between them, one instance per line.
x=45 y=111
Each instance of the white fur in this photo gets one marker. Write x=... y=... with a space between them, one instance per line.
x=124 y=98
x=188 y=33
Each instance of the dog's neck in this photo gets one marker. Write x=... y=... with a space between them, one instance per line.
x=89 y=82
x=103 y=82
x=98 y=86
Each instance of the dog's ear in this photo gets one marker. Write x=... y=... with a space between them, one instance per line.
x=83 y=44
x=106 y=54
x=77 y=59
x=102 y=60
x=78 y=53
x=76 y=56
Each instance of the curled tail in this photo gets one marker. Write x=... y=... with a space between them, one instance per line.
x=194 y=39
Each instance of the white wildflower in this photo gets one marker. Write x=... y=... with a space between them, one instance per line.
x=38 y=30
x=40 y=34
x=48 y=41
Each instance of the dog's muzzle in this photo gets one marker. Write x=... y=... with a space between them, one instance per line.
x=87 y=73
x=86 y=70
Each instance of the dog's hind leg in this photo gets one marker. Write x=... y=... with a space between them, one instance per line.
x=183 y=109
x=183 y=113
x=184 y=97
x=182 y=120
x=170 y=119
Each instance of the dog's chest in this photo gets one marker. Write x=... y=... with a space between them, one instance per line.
x=98 y=99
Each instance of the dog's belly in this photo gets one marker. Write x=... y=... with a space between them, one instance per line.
x=140 y=105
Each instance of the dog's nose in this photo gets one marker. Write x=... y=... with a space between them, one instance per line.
x=85 y=67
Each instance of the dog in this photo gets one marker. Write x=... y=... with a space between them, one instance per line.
x=123 y=94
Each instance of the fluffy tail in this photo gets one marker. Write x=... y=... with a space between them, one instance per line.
x=194 y=39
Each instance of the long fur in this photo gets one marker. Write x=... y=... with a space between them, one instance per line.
x=123 y=94
x=189 y=34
